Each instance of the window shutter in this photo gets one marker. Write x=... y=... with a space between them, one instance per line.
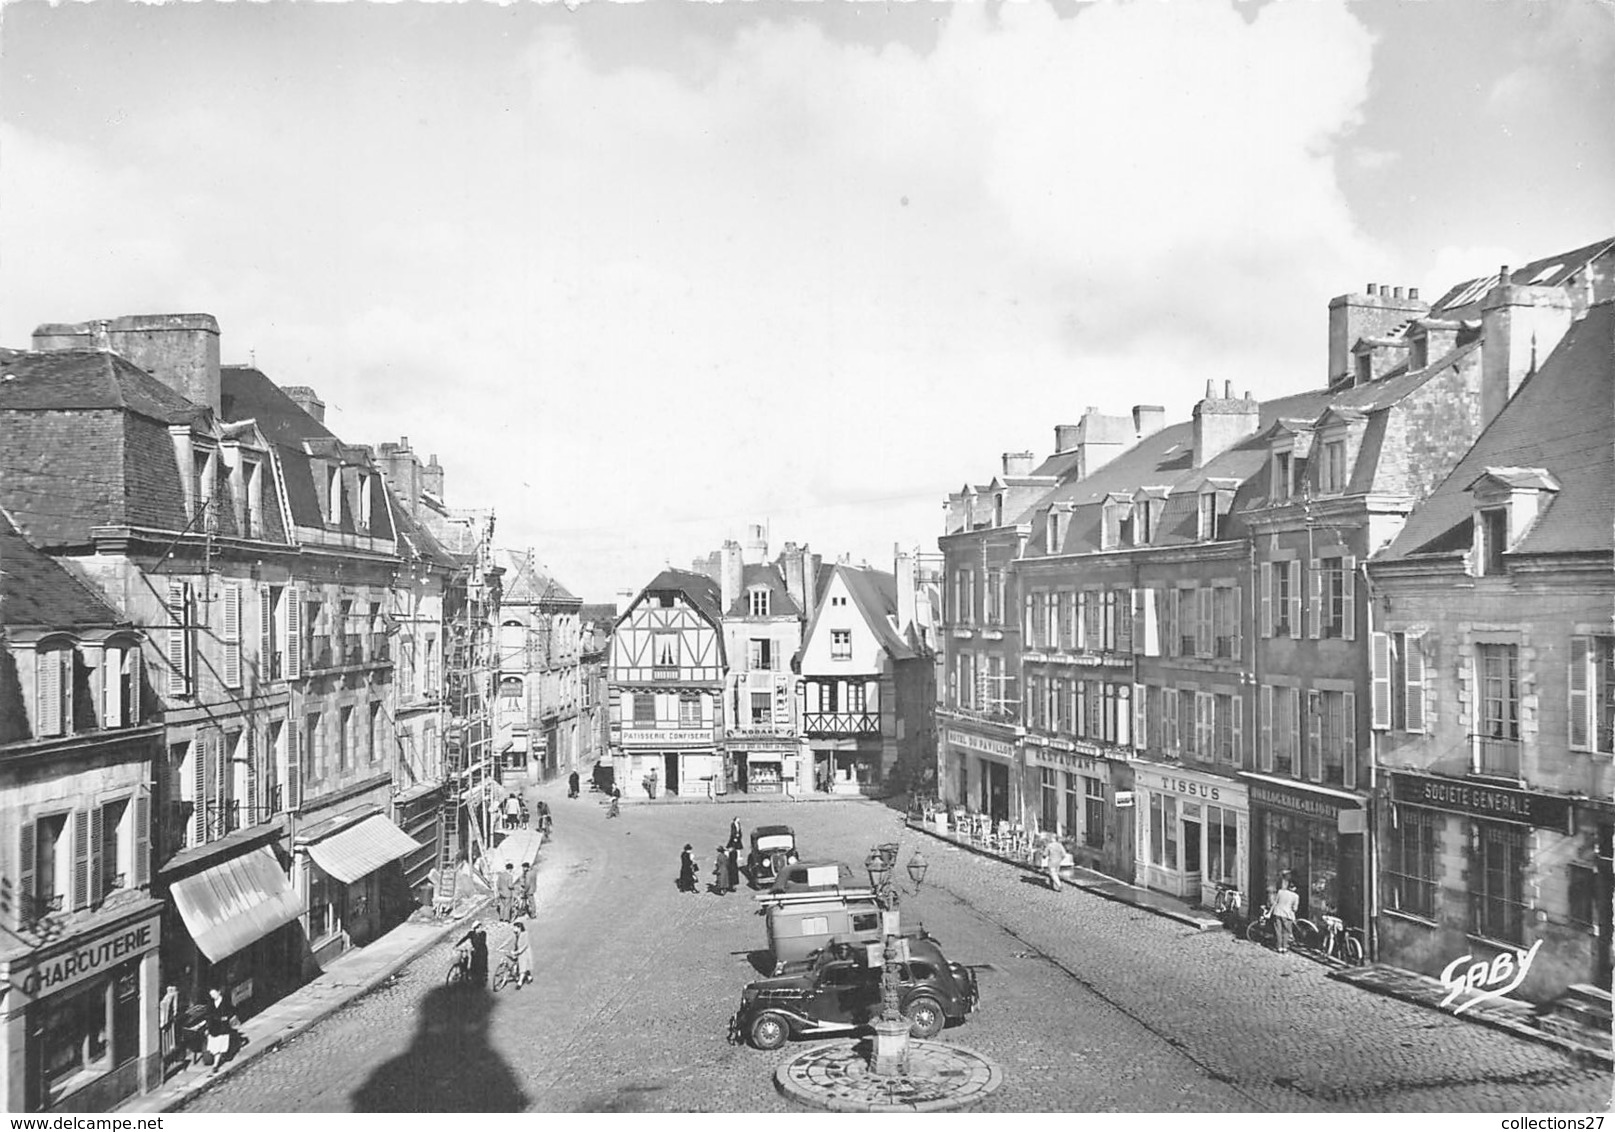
x=1239 y=623
x=1126 y=616
x=1314 y=736
x=112 y=659
x=1265 y=584
x=252 y=804
x=1169 y=720
x=1348 y=598
x=1082 y=619
x=136 y=685
x=175 y=644
x=232 y=636
x=1379 y=656
x=1205 y=740
x=294 y=767
x=96 y=850
x=266 y=640
x=1264 y=707
x=1581 y=710
x=1315 y=605
x=1151 y=627
x=1348 y=757
x=1294 y=612
x=1080 y=724
x=1137 y=629
x=140 y=856
x=1124 y=716
x=50 y=692
x=1203 y=623
x=1237 y=727
x=293 y=597
x=81 y=858
x=1163 y=622
x=1413 y=664
x=1140 y=718
x=27 y=841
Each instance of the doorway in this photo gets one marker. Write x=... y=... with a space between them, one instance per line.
x=670 y=776
x=1191 y=851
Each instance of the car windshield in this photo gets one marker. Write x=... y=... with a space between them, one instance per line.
x=777 y=841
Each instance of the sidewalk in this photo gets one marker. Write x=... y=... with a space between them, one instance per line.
x=1091 y=881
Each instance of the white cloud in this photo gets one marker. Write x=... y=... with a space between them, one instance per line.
x=817 y=273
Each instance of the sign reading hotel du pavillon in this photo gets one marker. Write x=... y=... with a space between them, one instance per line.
x=980 y=743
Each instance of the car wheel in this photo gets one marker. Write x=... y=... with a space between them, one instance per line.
x=925 y=1017
x=769 y=1031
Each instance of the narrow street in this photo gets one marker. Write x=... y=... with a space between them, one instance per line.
x=1086 y=1004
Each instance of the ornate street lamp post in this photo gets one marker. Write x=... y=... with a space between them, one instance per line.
x=890 y=1047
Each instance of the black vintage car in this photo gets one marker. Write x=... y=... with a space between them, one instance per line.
x=772 y=848
x=840 y=991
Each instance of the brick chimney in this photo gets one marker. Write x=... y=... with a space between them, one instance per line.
x=1017 y=463
x=1520 y=326
x=903 y=571
x=402 y=469
x=1222 y=422
x=794 y=566
x=732 y=575
x=432 y=477
x=179 y=350
x=307 y=400
x=1370 y=315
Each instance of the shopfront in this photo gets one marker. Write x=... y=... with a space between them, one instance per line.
x=761 y=767
x=1193 y=831
x=80 y=1015
x=982 y=768
x=356 y=885
x=1074 y=790
x=1316 y=835
x=684 y=763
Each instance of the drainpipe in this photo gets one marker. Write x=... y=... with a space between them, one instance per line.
x=1255 y=610
x=1371 y=832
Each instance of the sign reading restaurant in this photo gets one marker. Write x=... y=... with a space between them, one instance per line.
x=980 y=743
x=1481 y=800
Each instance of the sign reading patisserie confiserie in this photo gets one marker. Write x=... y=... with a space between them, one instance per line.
x=658 y=738
x=1481 y=800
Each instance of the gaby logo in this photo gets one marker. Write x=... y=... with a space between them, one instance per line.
x=1486 y=980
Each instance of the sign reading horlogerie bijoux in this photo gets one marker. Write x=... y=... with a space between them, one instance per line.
x=979 y=743
x=1313 y=805
x=658 y=738
x=1481 y=800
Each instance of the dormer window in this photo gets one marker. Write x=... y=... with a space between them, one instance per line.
x=1507 y=503
x=1117 y=512
x=252 y=514
x=202 y=476
x=998 y=509
x=757 y=598
x=334 y=495
x=1208 y=515
x=1332 y=468
x=1493 y=523
x=367 y=485
x=1279 y=489
x=1365 y=368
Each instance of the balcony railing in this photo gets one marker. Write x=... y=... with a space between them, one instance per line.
x=841 y=723
x=37 y=907
x=1498 y=758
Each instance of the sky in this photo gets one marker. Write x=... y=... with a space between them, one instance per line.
x=643 y=274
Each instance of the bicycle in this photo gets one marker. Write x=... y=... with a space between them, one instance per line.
x=459 y=966
x=506 y=974
x=1228 y=906
x=1303 y=932
x=1341 y=943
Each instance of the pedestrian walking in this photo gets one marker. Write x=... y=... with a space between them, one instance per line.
x=720 y=872
x=1285 y=903
x=521 y=949
x=476 y=940
x=687 y=869
x=651 y=788
x=733 y=860
x=505 y=892
x=527 y=885
x=513 y=811
x=572 y=785
x=616 y=800
x=221 y=1029
x=1053 y=858
x=735 y=838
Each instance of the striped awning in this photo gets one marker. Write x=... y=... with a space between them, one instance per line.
x=361 y=849
x=235 y=903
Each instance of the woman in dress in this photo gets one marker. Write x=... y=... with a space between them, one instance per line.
x=522 y=948
x=687 y=869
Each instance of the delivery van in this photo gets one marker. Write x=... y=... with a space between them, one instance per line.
x=799 y=927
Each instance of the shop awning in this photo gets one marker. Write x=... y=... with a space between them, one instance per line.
x=235 y=903
x=361 y=849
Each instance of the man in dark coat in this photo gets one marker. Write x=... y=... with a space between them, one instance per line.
x=736 y=841
x=720 y=872
x=572 y=785
x=505 y=892
x=734 y=867
x=687 y=869
x=477 y=940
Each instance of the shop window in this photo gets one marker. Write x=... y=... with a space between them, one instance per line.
x=1051 y=801
x=1497 y=881
x=1410 y=874
x=1093 y=829
x=76 y=1043
x=1164 y=830
x=1222 y=845
x=1073 y=803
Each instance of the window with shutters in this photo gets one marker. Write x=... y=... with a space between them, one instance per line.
x=121 y=687
x=252 y=513
x=230 y=637
x=1331 y=738
x=1222 y=713
x=1185 y=615
x=1068 y=620
x=53 y=690
x=1170 y=740
x=840 y=644
x=1497 y=739
x=995 y=597
x=690 y=709
x=1332 y=467
x=1411 y=880
x=1280 y=598
x=1334 y=604
x=178 y=649
x=1225 y=627
x=1279 y=485
x=1279 y=746
x=1592 y=694
x=45 y=867
x=112 y=849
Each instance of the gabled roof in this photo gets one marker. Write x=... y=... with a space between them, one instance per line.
x=874 y=593
x=246 y=394
x=1539 y=479
x=88 y=379
x=1561 y=419
x=37 y=592
x=1464 y=299
x=529 y=583
x=753 y=575
x=701 y=591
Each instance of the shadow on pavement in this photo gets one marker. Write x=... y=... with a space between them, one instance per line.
x=450 y=1067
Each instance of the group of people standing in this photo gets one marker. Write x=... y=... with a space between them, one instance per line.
x=725 y=866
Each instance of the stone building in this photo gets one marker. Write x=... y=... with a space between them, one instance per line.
x=79 y=926
x=539 y=690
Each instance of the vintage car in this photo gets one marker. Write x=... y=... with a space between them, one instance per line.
x=841 y=991
x=772 y=848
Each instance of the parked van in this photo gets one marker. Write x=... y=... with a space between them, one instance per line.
x=799 y=927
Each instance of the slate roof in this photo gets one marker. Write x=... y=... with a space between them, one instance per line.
x=594 y=611
x=874 y=592
x=88 y=379
x=38 y=592
x=415 y=539
x=246 y=394
x=752 y=575
x=702 y=591
x=1561 y=419
x=1463 y=301
x=529 y=583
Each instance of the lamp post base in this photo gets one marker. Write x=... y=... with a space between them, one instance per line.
x=837 y=1076
x=889 y=1049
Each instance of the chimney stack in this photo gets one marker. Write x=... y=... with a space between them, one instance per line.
x=432 y=478
x=1017 y=464
x=1221 y=423
x=306 y=399
x=402 y=469
x=755 y=551
x=1355 y=317
x=179 y=350
x=733 y=574
x=1520 y=326
x=794 y=561
x=903 y=570
x=1148 y=420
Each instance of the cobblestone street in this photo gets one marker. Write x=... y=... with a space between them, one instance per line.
x=1087 y=1005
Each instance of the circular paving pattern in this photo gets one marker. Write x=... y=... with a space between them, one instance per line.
x=835 y=1075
